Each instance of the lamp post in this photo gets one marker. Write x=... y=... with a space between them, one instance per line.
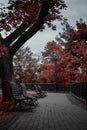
x=55 y=58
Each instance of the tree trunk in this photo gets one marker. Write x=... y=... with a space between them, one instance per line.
x=6 y=74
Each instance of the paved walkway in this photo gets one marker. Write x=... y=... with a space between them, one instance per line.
x=55 y=112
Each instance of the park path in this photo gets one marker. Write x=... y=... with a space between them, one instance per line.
x=57 y=111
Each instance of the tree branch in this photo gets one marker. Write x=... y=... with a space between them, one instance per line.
x=32 y=30
x=8 y=40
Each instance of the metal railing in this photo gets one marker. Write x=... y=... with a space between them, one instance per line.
x=80 y=90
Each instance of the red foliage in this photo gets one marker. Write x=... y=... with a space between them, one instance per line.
x=52 y=47
x=79 y=34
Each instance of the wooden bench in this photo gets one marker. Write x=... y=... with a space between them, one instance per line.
x=33 y=98
x=39 y=91
x=20 y=102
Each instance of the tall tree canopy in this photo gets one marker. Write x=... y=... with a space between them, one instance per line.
x=22 y=19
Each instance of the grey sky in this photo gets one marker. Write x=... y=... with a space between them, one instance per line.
x=76 y=10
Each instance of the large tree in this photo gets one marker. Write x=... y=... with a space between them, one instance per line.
x=20 y=20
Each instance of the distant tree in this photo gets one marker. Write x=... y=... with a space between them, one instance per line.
x=25 y=66
x=51 y=56
x=75 y=44
x=20 y=20
x=47 y=72
x=52 y=48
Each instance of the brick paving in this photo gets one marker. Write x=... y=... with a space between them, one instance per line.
x=54 y=112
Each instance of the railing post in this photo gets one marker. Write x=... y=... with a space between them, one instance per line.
x=86 y=92
x=82 y=91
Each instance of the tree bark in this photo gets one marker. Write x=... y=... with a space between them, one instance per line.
x=6 y=74
x=33 y=29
